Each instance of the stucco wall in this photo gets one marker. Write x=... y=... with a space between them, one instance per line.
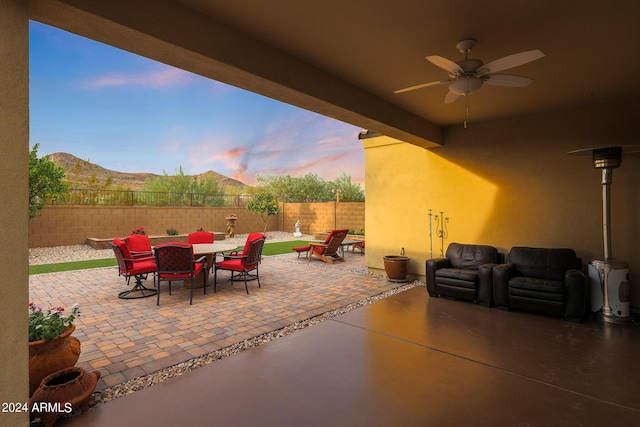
x=14 y=143
x=507 y=183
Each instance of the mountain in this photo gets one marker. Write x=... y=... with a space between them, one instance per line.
x=81 y=171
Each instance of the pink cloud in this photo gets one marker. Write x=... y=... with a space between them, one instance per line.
x=231 y=154
x=308 y=167
x=162 y=78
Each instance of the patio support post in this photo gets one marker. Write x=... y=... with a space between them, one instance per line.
x=14 y=194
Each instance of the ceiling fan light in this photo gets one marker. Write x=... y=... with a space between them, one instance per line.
x=465 y=85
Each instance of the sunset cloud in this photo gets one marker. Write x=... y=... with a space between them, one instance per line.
x=161 y=78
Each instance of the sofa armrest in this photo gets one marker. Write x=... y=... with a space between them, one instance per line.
x=501 y=275
x=485 y=285
x=433 y=265
x=577 y=295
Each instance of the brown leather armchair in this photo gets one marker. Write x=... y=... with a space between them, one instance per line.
x=548 y=281
x=465 y=273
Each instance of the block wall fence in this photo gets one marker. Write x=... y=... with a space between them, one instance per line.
x=73 y=225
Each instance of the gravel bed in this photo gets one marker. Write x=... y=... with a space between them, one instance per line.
x=56 y=254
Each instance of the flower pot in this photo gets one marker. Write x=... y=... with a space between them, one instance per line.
x=46 y=358
x=396 y=267
x=62 y=392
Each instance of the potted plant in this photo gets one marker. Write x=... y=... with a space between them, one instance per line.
x=51 y=346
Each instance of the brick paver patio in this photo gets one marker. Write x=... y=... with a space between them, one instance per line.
x=126 y=339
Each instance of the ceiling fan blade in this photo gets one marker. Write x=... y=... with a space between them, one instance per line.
x=507 y=80
x=420 y=86
x=446 y=64
x=450 y=97
x=509 y=61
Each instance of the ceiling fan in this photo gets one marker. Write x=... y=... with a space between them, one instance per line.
x=468 y=75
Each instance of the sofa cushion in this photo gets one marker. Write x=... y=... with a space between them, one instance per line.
x=471 y=257
x=457 y=273
x=541 y=263
x=539 y=290
x=532 y=283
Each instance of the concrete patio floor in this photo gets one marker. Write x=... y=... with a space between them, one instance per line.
x=405 y=360
x=128 y=339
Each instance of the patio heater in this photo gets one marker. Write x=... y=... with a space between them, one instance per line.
x=608 y=277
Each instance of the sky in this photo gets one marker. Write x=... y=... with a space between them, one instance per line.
x=131 y=114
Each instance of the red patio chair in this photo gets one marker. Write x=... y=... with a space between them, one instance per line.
x=201 y=237
x=175 y=262
x=326 y=251
x=244 y=263
x=139 y=246
x=138 y=268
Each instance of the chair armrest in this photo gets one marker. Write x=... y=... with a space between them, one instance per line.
x=433 y=265
x=141 y=254
x=226 y=257
x=485 y=284
x=203 y=260
x=501 y=275
x=229 y=255
x=148 y=257
x=577 y=294
x=313 y=246
x=322 y=245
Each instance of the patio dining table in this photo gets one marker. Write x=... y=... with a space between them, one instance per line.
x=210 y=250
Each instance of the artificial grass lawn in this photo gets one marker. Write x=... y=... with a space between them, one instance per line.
x=279 y=248
x=276 y=248
x=74 y=265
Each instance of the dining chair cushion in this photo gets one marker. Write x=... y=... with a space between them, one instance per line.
x=250 y=239
x=201 y=237
x=197 y=268
x=231 y=264
x=139 y=246
x=142 y=267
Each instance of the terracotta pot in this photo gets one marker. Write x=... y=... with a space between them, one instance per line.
x=48 y=357
x=396 y=267
x=63 y=392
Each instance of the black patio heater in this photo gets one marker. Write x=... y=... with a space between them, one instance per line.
x=608 y=277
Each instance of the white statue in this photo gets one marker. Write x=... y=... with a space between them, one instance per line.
x=297 y=233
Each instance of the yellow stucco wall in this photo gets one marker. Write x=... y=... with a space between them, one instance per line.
x=14 y=145
x=506 y=183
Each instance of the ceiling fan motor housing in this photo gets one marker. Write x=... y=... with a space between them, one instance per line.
x=465 y=84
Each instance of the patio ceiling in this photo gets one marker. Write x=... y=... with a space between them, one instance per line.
x=345 y=59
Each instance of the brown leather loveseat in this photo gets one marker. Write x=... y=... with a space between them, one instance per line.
x=548 y=281
x=465 y=273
